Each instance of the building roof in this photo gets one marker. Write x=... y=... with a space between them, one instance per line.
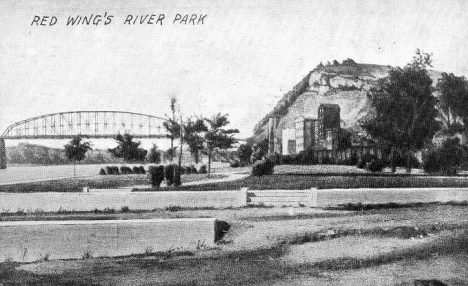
x=329 y=105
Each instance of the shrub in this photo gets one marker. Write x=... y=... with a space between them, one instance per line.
x=375 y=165
x=401 y=159
x=306 y=157
x=142 y=170
x=125 y=170
x=136 y=170
x=288 y=160
x=156 y=175
x=354 y=159
x=174 y=208
x=362 y=162
x=235 y=164
x=87 y=254
x=275 y=158
x=326 y=160
x=203 y=169
x=263 y=167
x=169 y=174
x=244 y=152
x=259 y=151
x=446 y=158
x=112 y=170
x=193 y=169
x=102 y=172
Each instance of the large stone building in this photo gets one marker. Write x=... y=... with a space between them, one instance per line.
x=322 y=133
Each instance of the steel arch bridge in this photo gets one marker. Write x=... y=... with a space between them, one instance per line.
x=89 y=124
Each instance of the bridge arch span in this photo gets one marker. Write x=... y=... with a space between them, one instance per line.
x=90 y=124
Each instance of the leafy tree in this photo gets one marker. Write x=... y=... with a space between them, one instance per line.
x=76 y=150
x=128 y=149
x=336 y=63
x=193 y=136
x=453 y=102
x=172 y=126
x=244 y=152
x=154 y=155
x=404 y=113
x=216 y=137
x=169 y=154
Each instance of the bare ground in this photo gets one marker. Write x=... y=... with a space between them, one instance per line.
x=285 y=246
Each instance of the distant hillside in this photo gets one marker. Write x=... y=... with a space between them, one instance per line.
x=346 y=84
x=26 y=153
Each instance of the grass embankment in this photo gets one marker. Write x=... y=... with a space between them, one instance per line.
x=96 y=182
x=77 y=184
x=307 y=181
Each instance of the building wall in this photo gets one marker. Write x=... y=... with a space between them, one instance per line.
x=300 y=134
x=305 y=133
x=288 y=136
x=323 y=133
x=328 y=118
x=309 y=133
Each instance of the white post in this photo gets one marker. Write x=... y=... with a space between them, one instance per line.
x=243 y=197
x=85 y=189
x=313 y=197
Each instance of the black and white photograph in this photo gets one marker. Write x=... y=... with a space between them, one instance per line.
x=215 y=142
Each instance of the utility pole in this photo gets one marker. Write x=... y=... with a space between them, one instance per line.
x=177 y=180
x=173 y=107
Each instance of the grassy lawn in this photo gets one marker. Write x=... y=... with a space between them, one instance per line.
x=96 y=182
x=285 y=177
x=305 y=181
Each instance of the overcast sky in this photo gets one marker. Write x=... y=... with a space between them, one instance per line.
x=240 y=61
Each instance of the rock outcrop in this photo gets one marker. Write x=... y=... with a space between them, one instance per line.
x=344 y=84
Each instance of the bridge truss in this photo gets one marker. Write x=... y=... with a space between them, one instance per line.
x=89 y=124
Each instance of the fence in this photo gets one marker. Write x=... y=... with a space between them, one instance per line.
x=279 y=197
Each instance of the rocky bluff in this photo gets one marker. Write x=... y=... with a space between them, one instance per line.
x=346 y=84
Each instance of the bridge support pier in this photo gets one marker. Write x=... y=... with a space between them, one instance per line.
x=3 y=162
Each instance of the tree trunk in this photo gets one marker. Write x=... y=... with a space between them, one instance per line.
x=177 y=180
x=74 y=170
x=209 y=163
x=195 y=156
x=172 y=148
x=392 y=160
x=408 y=161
